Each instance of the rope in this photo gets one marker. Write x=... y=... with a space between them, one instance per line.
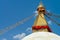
x=50 y=14
x=52 y=19
x=16 y=24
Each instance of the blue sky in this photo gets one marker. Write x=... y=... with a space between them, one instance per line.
x=12 y=11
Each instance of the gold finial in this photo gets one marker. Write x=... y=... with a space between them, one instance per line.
x=41 y=4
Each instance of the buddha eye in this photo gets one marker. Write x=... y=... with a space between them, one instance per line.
x=40 y=10
x=43 y=10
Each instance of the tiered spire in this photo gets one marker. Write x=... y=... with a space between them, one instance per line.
x=40 y=23
x=41 y=4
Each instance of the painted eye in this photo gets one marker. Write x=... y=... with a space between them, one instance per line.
x=43 y=10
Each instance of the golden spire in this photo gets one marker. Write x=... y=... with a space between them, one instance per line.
x=40 y=24
x=40 y=4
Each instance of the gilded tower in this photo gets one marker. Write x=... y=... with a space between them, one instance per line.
x=40 y=23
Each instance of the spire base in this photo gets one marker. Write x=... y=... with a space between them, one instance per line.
x=41 y=28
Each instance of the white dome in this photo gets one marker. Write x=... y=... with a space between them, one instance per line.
x=42 y=36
